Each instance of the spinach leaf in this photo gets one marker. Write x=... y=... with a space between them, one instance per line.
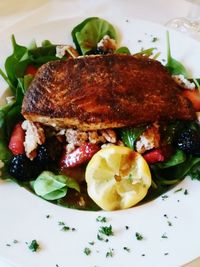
x=123 y=50
x=194 y=173
x=175 y=159
x=11 y=64
x=10 y=114
x=176 y=173
x=88 y=33
x=5 y=153
x=51 y=187
x=174 y=66
x=130 y=135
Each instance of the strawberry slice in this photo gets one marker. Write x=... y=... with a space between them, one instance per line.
x=194 y=97
x=153 y=156
x=79 y=156
x=16 y=144
x=30 y=70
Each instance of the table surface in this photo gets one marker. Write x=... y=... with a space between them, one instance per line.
x=28 y=12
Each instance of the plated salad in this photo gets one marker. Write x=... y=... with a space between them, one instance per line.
x=97 y=164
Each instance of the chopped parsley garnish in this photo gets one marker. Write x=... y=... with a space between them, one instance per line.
x=106 y=230
x=34 y=246
x=101 y=219
x=87 y=251
x=164 y=236
x=169 y=223
x=164 y=197
x=139 y=236
x=99 y=237
x=110 y=253
x=186 y=192
x=61 y=223
x=178 y=190
x=91 y=243
x=155 y=39
x=127 y=249
x=65 y=228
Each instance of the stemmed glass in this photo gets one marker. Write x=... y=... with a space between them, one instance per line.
x=189 y=24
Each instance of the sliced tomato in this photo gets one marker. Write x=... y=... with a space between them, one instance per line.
x=194 y=97
x=153 y=156
x=31 y=70
x=16 y=144
x=79 y=156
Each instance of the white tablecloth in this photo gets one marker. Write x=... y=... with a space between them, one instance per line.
x=25 y=13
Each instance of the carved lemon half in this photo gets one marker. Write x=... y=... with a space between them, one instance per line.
x=117 y=178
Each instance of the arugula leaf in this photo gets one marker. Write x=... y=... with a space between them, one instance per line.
x=174 y=66
x=130 y=135
x=89 y=32
x=51 y=187
x=147 y=52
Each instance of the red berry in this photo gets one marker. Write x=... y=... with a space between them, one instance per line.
x=153 y=156
x=31 y=70
x=79 y=156
x=16 y=144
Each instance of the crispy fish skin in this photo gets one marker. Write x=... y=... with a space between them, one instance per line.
x=108 y=91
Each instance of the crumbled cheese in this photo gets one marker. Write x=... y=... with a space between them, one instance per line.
x=1 y=166
x=183 y=82
x=107 y=43
x=76 y=137
x=34 y=136
x=149 y=139
x=62 y=50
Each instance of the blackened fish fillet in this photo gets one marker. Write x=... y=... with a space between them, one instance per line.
x=108 y=91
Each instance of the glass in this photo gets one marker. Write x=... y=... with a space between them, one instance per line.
x=191 y=23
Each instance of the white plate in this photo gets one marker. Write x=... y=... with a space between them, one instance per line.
x=23 y=215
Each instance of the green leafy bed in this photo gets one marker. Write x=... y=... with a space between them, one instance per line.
x=86 y=35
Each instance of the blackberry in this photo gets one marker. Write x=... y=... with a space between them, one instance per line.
x=49 y=153
x=189 y=141
x=43 y=156
x=22 y=168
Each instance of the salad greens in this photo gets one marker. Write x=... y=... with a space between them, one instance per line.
x=174 y=66
x=86 y=36
x=88 y=33
x=52 y=187
x=130 y=135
